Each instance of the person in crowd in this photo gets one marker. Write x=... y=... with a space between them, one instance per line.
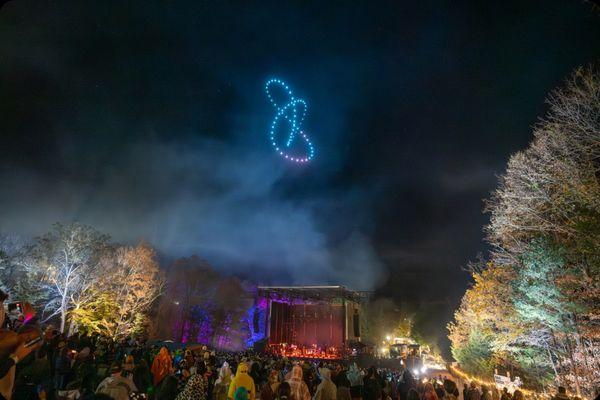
x=255 y=372
x=242 y=379
x=269 y=390
x=309 y=376
x=429 y=392
x=486 y=394
x=32 y=376
x=412 y=394
x=129 y=365
x=16 y=353
x=161 y=366
x=182 y=373
x=405 y=383
x=195 y=388
x=284 y=391
x=116 y=386
x=298 y=387
x=356 y=382
x=84 y=370
x=495 y=393
x=189 y=357
x=221 y=386
x=62 y=367
x=142 y=377
x=372 y=385
x=518 y=395
x=439 y=390
x=597 y=393
x=505 y=395
x=561 y=394
x=472 y=393
x=167 y=389
x=326 y=390
x=343 y=387
x=450 y=390
x=211 y=373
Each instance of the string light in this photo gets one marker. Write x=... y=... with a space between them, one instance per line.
x=466 y=377
x=292 y=112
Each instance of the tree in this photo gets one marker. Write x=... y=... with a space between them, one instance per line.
x=231 y=302
x=63 y=264
x=475 y=355
x=98 y=315
x=131 y=278
x=190 y=286
x=544 y=312
x=13 y=276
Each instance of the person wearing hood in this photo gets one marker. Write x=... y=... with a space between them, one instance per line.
x=222 y=383
x=356 y=381
x=298 y=386
x=161 y=366
x=269 y=391
x=326 y=389
x=242 y=379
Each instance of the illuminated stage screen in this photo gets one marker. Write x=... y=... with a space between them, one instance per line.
x=306 y=325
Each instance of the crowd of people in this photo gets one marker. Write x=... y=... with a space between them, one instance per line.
x=96 y=367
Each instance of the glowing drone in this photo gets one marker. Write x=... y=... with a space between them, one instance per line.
x=292 y=112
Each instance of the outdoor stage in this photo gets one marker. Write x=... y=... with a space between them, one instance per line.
x=312 y=321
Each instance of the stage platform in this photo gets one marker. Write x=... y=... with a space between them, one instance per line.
x=312 y=321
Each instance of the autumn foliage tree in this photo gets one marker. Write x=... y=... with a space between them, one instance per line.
x=536 y=304
x=129 y=282
x=73 y=275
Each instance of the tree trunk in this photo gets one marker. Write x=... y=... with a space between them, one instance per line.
x=560 y=366
x=63 y=312
x=581 y=344
x=72 y=327
x=553 y=365
x=63 y=318
x=573 y=365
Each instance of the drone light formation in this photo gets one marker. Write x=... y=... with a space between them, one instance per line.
x=293 y=112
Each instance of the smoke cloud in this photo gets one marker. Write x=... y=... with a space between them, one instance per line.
x=206 y=197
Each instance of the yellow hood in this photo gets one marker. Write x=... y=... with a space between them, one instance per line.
x=241 y=369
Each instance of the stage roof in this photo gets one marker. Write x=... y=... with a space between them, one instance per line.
x=313 y=293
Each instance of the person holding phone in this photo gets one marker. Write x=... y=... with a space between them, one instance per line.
x=18 y=353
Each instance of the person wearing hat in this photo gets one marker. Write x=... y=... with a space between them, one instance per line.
x=116 y=386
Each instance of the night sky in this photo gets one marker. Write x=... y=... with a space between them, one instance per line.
x=148 y=119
